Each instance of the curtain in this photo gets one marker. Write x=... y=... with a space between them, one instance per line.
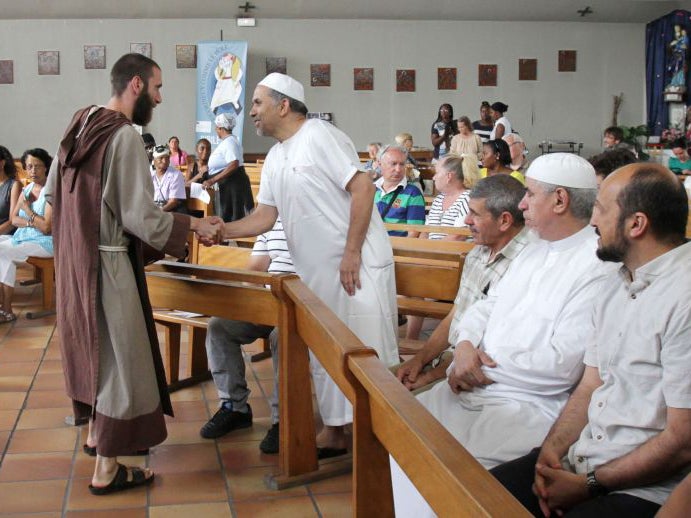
x=659 y=34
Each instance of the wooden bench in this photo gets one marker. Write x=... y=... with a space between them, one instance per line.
x=387 y=418
x=463 y=232
x=44 y=272
x=172 y=322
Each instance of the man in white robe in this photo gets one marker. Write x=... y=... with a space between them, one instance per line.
x=339 y=246
x=520 y=351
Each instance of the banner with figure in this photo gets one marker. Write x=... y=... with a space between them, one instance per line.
x=221 y=73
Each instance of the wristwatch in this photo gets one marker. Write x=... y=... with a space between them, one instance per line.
x=595 y=489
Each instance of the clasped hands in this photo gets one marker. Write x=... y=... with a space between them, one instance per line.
x=467 y=373
x=209 y=229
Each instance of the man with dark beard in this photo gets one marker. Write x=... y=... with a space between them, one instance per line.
x=103 y=212
x=623 y=441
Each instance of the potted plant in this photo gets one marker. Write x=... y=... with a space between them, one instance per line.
x=637 y=136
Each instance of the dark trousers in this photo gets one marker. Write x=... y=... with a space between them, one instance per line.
x=517 y=477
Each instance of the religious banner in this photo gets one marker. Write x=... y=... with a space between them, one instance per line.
x=221 y=74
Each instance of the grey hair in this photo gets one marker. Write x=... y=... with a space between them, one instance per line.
x=378 y=145
x=502 y=193
x=581 y=201
x=391 y=147
x=295 y=105
x=514 y=136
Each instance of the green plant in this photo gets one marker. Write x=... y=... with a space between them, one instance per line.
x=637 y=136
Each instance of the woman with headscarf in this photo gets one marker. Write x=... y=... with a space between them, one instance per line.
x=226 y=170
x=502 y=126
x=443 y=129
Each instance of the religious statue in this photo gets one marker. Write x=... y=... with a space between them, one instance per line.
x=676 y=69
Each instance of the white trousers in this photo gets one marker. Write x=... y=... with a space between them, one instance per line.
x=11 y=255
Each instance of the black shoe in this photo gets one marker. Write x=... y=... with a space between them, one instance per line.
x=224 y=421
x=270 y=442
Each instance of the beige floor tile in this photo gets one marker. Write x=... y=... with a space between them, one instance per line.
x=340 y=484
x=8 y=418
x=296 y=507
x=138 y=512
x=181 y=458
x=11 y=400
x=248 y=484
x=48 y=399
x=338 y=505
x=15 y=383
x=32 y=497
x=242 y=455
x=188 y=488
x=210 y=510
x=46 y=440
x=35 y=466
x=33 y=418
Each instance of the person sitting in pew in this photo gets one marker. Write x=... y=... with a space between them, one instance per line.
x=396 y=200
x=169 y=184
x=607 y=162
x=33 y=219
x=623 y=441
x=453 y=178
x=519 y=352
x=200 y=168
x=224 y=340
x=500 y=236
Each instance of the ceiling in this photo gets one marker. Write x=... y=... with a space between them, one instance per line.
x=508 y=10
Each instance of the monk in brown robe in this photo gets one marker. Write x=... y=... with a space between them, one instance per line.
x=103 y=212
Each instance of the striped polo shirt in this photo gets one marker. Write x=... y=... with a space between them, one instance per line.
x=408 y=206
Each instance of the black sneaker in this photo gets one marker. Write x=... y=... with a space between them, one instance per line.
x=270 y=442
x=224 y=421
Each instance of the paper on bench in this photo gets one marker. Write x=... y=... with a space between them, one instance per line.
x=197 y=191
x=185 y=314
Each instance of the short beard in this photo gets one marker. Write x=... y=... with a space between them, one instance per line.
x=616 y=252
x=143 y=108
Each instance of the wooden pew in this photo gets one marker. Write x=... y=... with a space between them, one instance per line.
x=387 y=418
x=44 y=268
x=464 y=232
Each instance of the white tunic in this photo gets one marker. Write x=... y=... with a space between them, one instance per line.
x=305 y=177
x=535 y=324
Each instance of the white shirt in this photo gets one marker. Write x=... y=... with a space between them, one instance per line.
x=643 y=353
x=170 y=185
x=273 y=243
x=228 y=150
x=504 y=122
x=536 y=321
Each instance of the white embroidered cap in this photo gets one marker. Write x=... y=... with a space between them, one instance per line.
x=285 y=85
x=225 y=120
x=564 y=169
x=161 y=151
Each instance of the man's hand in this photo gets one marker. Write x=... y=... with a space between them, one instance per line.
x=409 y=370
x=467 y=372
x=561 y=489
x=209 y=230
x=350 y=272
x=548 y=457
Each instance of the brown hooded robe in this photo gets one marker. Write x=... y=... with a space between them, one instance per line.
x=103 y=209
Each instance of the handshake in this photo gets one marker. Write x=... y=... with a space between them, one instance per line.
x=209 y=230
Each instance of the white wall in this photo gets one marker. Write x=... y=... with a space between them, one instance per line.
x=611 y=59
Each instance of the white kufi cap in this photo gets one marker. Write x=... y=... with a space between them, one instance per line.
x=161 y=151
x=564 y=169
x=285 y=85
x=225 y=120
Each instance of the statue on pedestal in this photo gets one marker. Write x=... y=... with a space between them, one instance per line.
x=676 y=69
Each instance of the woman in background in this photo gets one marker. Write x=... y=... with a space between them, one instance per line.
x=496 y=159
x=32 y=217
x=226 y=170
x=443 y=129
x=466 y=142
x=200 y=168
x=178 y=158
x=9 y=190
x=502 y=126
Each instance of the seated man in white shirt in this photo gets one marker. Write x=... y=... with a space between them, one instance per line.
x=224 y=340
x=519 y=352
x=623 y=441
x=500 y=235
x=169 y=183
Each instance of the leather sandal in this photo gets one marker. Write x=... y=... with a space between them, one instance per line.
x=120 y=482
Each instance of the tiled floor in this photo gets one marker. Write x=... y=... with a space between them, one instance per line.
x=43 y=471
